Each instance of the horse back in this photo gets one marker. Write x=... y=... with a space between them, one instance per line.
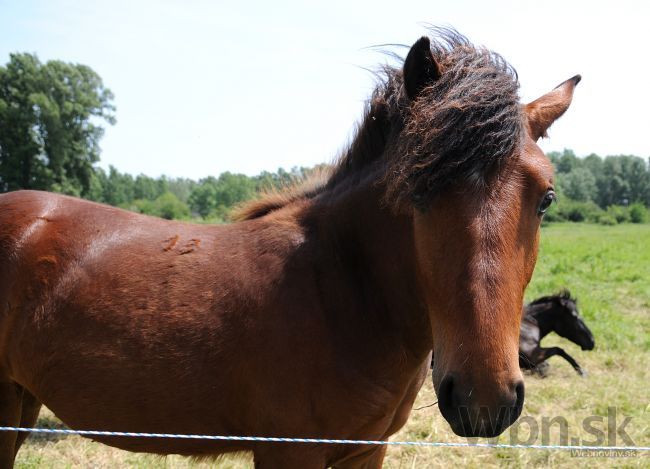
x=70 y=265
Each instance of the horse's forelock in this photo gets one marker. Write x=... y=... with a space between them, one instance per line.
x=464 y=127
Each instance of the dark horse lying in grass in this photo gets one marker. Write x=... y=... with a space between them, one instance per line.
x=315 y=314
x=555 y=313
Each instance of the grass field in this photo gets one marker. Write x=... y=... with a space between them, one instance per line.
x=608 y=269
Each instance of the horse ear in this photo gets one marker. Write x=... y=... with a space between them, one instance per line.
x=544 y=111
x=420 y=68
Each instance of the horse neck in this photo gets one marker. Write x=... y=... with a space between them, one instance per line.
x=368 y=254
x=543 y=314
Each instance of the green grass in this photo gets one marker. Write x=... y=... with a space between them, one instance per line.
x=607 y=268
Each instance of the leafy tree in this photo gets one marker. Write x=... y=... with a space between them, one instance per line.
x=234 y=188
x=593 y=163
x=165 y=206
x=639 y=213
x=203 y=198
x=578 y=184
x=281 y=178
x=98 y=186
x=220 y=194
x=118 y=187
x=168 y=206
x=181 y=188
x=145 y=187
x=564 y=162
x=140 y=206
x=612 y=188
x=49 y=132
x=636 y=173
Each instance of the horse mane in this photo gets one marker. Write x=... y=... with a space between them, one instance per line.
x=464 y=127
x=563 y=294
x=274 y=199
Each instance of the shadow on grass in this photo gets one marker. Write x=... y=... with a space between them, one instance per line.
x=46 y=421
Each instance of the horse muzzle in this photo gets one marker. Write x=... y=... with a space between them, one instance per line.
x=469 y=418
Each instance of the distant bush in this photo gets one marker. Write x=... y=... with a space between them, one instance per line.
x=219 y=214
x=574 y=211
x=619 y=213
x=548 y=219
x=638 y=213
x=607 y=219
x=139 y=206
x=166 y=206
x=554 y=215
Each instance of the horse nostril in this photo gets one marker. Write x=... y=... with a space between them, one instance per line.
x=519 y=404
x=446 y=399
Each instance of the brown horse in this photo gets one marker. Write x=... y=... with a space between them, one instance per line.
x=315 y=314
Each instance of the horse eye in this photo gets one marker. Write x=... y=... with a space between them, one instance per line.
x=548 y=199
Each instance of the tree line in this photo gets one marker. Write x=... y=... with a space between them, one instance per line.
x=608 y=190
x=209 y=199
x=51 y=122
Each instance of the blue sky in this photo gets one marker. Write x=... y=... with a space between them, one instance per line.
x=204 y=87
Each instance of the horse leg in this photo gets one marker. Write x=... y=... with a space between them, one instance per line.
x=549 y=352
x=287 y=456
x=534 y=361
x=30 y=410
x=372 y=459
x=11 y=395
x=542 y=369
x=526 y=361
